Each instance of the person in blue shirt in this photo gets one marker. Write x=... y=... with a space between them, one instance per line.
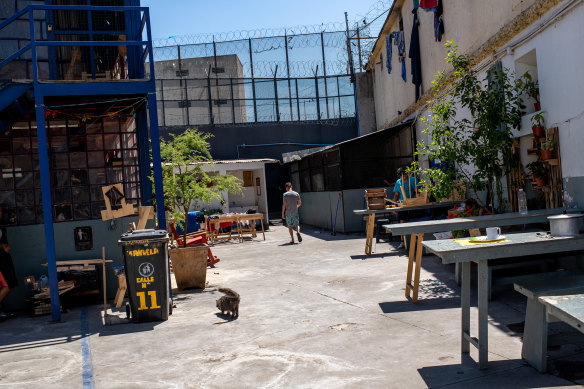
x=410 y=188
x=410 y=185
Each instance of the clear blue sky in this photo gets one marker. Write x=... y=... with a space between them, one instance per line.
x=185 y=17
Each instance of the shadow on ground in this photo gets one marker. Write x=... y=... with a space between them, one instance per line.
x=25 y=332
x=501 y=373
x=327 y=235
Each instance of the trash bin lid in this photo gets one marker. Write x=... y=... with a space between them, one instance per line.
x=148 y=234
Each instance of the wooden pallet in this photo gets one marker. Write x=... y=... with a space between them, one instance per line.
x=375 y=198
x=421 y=199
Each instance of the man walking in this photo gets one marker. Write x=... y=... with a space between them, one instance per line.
x=290 y=212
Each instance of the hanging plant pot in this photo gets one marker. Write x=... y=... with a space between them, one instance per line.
x=537 y=106
x=538 y=130
x=546 y=154
x=539 y=181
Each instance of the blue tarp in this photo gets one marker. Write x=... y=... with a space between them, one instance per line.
x=194 y=226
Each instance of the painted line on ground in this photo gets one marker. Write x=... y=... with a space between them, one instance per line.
x=85 y=352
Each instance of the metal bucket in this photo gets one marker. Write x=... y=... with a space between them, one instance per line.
x=566 y=225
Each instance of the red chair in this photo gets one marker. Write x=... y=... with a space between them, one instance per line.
x=194 y=239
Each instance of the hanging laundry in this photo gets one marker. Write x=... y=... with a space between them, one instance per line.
x=414 y=54
x=416 y=4
x=428 y=4
x=438 y=22
x=399 y=41
x=388 y=53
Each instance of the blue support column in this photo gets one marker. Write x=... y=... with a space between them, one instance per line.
x=156 y=160
x=47 y=206
x=144 y=159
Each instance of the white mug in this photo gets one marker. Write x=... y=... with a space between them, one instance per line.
x=493 y=233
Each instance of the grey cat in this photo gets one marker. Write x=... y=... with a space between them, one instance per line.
x=228 y=303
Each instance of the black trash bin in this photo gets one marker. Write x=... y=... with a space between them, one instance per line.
x=146 y=266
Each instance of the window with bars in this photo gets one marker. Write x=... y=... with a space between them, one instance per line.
x=83 y=157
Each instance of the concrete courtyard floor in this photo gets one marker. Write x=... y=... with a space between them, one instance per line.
x=318 y=314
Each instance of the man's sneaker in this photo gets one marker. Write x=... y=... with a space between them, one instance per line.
x=299 y=237
x=401 y=246
x=3 y=316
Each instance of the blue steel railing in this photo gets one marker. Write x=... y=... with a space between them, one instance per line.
x=137 y=51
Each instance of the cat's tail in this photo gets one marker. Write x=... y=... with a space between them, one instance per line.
x=229 y=292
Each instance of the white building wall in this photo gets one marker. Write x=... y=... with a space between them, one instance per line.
x=551 y=49
x=469 y=23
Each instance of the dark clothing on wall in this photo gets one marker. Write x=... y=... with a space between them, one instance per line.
x=438 y=22
x=388 y=53
x=398 y=39
x=415 y=56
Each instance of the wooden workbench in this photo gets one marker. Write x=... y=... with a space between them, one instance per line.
x=417 y=230
x=87 y=264
x=516 y=245
x=371 y=213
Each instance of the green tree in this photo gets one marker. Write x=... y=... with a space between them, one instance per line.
x=185 y=181
x=476 y=149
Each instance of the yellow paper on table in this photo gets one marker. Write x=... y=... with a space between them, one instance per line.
x=466 y=242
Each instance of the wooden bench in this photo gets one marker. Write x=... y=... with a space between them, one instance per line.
x=552 y=299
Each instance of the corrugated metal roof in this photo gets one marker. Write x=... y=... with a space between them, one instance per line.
x=234 y=161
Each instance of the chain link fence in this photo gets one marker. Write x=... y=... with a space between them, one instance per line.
x=302 y=73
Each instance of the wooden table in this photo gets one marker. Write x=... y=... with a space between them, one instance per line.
x=215 y=234
x=417 y=230
x=252 y=217
x=522 y=244
x=87 y=264
x=372 y=212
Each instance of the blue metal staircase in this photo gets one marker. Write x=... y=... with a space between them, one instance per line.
x=16 y=101
x=38 y=59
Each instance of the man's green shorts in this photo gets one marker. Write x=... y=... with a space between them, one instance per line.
x=292 y=220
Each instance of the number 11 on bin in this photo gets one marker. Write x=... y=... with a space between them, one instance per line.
x=142 y=297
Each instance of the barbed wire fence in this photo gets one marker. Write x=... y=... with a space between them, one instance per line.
x=264 y=75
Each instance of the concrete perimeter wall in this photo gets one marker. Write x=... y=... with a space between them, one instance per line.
x=318 y=209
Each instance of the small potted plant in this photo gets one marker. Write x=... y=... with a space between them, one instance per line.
x=531 y=88
x=538 y=172
x=547 y=148
x=537 y=124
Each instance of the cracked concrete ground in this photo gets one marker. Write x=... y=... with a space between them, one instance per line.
x=318 y=314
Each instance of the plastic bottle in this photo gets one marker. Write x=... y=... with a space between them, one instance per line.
x=522 y=202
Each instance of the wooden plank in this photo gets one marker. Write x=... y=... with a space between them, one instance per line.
x=419 y=251
x=104 y=281
x=567 y=308
x=519 y=245
x=144 y=213
x=556 y=285
x=120 y=294
x=465 y=223
x=397 y=209
x=534 y=348
x=80 y=262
